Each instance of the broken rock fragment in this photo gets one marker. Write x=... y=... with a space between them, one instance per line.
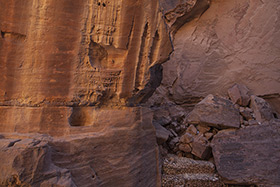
x=261 y=108
x=216 y=112
x=162 y=134
x=208 y=135
x=192 y=130
x=185 y=148
x=247 y=113
x=186 y=138
x=203 y=129
x=200 y=148
x=239 y=94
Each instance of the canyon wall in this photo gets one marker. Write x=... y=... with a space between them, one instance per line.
x=83 y=82
x=234 y=41
x=69 y=71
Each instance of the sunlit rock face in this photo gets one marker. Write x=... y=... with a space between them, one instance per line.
x=69 y=71
x=234 y=41
x=79 y=52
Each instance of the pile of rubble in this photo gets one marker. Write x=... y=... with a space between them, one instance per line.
x=190 y=134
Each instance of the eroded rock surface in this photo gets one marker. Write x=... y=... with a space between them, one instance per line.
x=70 y=69
x=235 y=41
x=102 y=50
x=216 y=112
x=249 y=155
x=120 y=155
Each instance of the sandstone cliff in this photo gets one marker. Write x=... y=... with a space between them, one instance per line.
x=95 y=92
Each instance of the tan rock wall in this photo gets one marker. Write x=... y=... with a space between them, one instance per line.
x=78 y=52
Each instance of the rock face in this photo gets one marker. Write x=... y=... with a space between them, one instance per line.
x=76 y=74
x=104 y=50
x=178 y=12
x=216 y=112
x=120 y=155
x=69 y=71
x=234 y=41
x=249 y=155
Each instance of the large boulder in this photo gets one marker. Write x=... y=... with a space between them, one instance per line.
x=249 y=155
x=216 y=112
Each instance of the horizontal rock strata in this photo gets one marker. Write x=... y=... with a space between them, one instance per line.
x=121 y=155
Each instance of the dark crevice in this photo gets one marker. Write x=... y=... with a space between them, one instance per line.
x=97 y=55
x=155 y=48
x=13 y=35
x=154 y=82
x=130 y=33
x=2 y=34
x=141 y=60
x=11 y=144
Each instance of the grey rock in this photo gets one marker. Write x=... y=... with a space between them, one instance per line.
x=162 y=134
x=173 y=142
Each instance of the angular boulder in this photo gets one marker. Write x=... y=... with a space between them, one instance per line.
x=162 y=134
x=247 y=113
x=261 y=108
x=249 y=155
x=201 y=148
x=186 y=138
x=216 y=112
x=239 y=94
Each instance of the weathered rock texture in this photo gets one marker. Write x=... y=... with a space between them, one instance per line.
x=120 y=154
x=249 y=155
x=69 y=68
x=79 y=52
x=216 y=112
x=235 y=41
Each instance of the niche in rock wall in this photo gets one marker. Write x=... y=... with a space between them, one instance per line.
x=80 y=116
x=98 y=55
